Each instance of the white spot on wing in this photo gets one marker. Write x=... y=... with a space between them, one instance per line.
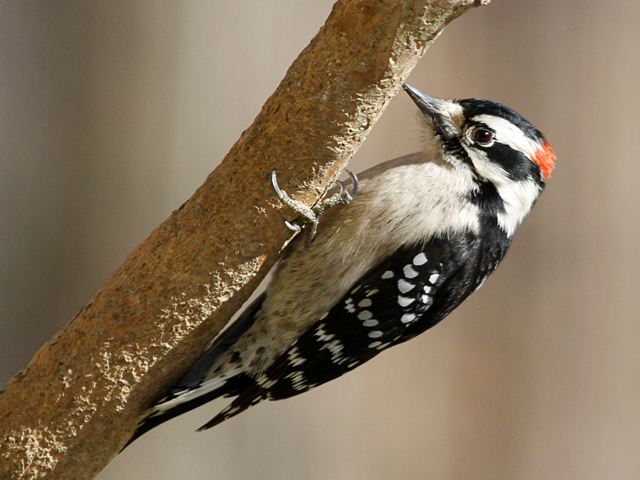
x=322 y=335
x=365 y=315
x=420 y=259
x=405 y=286
x=386 y=275
x=434 y=278
x=335 y=347
x=298 y=382
x=374 y=344
x=375 y=334
x=405 y=301
x=372 y=322
x=295 y=359
x=364 y=303
x=265 y=382
x=408 y=318
x=409 y=271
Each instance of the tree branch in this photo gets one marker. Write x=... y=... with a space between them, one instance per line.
x=70 y=410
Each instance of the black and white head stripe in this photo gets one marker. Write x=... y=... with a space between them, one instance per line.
x=474 y=131
x=474 y=107
x=517 y=150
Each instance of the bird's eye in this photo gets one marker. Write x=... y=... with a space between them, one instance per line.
x=482 y=136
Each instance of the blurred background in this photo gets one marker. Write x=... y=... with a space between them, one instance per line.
x=112 y=114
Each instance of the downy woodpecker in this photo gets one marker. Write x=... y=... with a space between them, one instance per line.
x=423 y=233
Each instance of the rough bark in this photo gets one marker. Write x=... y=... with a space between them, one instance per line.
x=71 y=409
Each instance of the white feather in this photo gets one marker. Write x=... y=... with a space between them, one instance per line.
x=518 y=199
x=509 y=134
x=189 y=394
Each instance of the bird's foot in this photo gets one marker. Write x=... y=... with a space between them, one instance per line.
x=310 y=216
x=347 y=192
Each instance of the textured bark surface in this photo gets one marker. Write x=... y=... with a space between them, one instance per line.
x=71 y=409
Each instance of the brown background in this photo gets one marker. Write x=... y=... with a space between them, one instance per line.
x=112 y=113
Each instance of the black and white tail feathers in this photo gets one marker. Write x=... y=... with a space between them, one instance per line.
x=193 y=389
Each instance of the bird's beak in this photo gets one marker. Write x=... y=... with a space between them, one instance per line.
x=444 y=114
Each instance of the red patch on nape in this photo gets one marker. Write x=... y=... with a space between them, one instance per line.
x=545 y=158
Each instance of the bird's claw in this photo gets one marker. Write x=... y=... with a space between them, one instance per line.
x=293 y=226
x=344 y=196
x=310 y=216
x=355 y=187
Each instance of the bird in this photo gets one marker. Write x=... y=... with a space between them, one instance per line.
x=397 y=251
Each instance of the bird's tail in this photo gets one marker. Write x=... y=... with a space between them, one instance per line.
x=194 y=389
x=251 y=395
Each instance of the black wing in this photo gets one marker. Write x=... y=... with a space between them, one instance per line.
x=408 y=293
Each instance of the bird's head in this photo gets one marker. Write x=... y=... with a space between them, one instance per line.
x=495 y=142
